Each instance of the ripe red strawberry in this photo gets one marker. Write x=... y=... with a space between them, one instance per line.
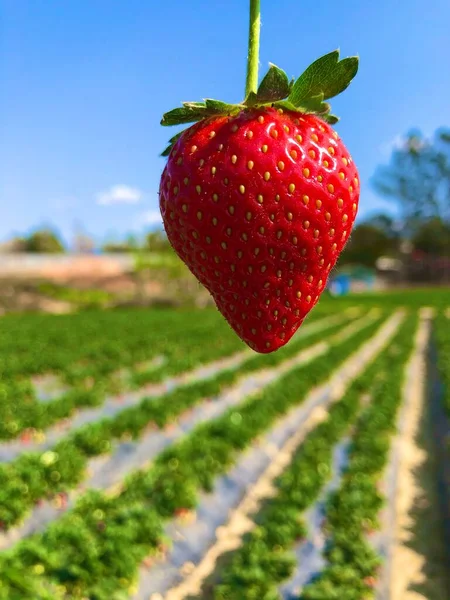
x=259 y=201
x=259 y=206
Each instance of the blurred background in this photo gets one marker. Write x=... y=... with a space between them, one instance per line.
x=133 y=421
x=85 y=85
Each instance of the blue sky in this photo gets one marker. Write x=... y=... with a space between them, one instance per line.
x=85 y=82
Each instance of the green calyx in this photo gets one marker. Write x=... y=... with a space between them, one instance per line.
x=325 y=78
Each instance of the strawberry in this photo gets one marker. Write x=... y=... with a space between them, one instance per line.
x=259 y=199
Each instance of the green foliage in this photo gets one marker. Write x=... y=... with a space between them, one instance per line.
x=80 y=298
x=417 y=178
x=274 y=86
x=442 y=338
x=352 y=511
x=156 y=241
x=44 y=241
x=71 y=455
x=195 y=111
x=280 y=525
x=325 y=78
x=112 y=553
x=95 y=550
x=87 y=351
x=433 y=237
x=367 y=243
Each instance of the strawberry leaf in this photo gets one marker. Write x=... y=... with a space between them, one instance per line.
x=325 y=78
x=315 y=104
x=194 y=104
x=251 y=100
x=274 y=86
x=286 y=105
x=187 y=114
x=331 y=119
x=176 y=137
x=172 y=142
x=167 y=150
x=327 y=75
x=195 y=111
x=217 y=107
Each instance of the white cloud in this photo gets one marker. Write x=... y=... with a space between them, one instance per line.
x=149 y=217
x=119 y=194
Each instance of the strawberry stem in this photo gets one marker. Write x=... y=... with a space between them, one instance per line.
x=251 y=84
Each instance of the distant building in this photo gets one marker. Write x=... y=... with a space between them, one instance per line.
x=414 y=268
x=352 y=279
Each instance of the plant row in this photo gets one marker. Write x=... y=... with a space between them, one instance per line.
x=33 y=344
x=413 y=299
x=442 y=337
x=352 y=512
x=34 y=476
x=266 y=559
x=94 y=550
x=83 y=299
x=97 y=353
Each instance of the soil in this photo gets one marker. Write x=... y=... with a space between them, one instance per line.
x=419 y=570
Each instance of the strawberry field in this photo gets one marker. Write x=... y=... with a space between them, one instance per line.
x=151 y=454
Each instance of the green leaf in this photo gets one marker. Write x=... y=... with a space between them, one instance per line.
x=176 y=137
x=167 y=150
x=274 y=86
x=331 y=119
x=286 y=105
x=444 y=136
x=217 y=107
x=251 y=99
x=186 y=114
x=327 y=75
x=172 y=142
x=315 y=104
x=194 y=104
x=195 y=111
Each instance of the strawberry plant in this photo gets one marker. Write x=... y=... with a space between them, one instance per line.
x=280 y=521
x=442 y=336
x=439 y=369
x=85 y=352
x=259 y=198
x=183 y=469
x=353 y=510
x=31 y=472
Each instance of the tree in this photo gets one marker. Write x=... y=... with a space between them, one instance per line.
x=433 y=237
x=156 y=241
x=130 y=244
x=115 y=247
x=367 y=243
x=385 y=223
x=17 y=244
x=44 y=240
x=418 y=178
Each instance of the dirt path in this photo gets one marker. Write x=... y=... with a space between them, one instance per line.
x=418 y=568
